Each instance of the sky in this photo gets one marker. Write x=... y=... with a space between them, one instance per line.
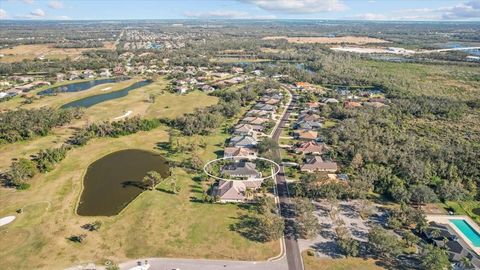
x=408 y=10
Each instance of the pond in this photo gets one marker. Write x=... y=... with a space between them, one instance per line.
x=93 y=100
x=79 y=86
x=114 y=180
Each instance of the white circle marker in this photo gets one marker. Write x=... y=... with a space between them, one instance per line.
x=277 y=167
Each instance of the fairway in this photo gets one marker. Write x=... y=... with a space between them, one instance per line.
x=156 y=224
x=166 y=105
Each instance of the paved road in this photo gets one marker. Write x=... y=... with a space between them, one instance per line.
x=294 y=259
x=195 y=264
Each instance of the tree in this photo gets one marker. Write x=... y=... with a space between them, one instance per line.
x=383 y=244
x=421 y=194
x=410 y=238
x=269 y=227
x=248 y=192
x=267 y=145
x=349 y=246
x=20 y=171
x=152 y=178
x=434 y=258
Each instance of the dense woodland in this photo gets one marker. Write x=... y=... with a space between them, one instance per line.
x=25 y=124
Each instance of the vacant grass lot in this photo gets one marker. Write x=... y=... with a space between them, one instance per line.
x=312 y=263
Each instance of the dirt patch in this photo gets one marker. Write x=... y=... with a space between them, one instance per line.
x=329 y=40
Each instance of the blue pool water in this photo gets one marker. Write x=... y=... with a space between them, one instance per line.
x=467 y=231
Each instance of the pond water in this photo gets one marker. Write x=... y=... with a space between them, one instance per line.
x=93 y=100
x=113 y=181
x=79 y=86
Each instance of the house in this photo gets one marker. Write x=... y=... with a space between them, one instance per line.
x=230 y=191
x=306 y=135
x=441 y=235
x=316 y=164
x=207 y=88
x=242 y=169
x=243 y=141
x=309 y=117
x=311 y=148
x=265 y=107
x=272 y=101
x=243 y=129
x=374 y=104
x=260 y=113
x=60 y=77
x=351 y=104
x=181 y=89
x=330 y=101
x=240 y=152
x=247 y=129
x=105 y=72
x=254 y=120
x=308 y=125
x=313 y=105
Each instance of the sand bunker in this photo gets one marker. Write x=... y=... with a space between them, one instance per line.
x=6 y=220
x=106 y=88
x=123 y=116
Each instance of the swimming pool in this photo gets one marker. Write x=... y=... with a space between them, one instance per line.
x=467 y=230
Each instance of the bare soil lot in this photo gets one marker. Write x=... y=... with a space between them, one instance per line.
x=330 y=40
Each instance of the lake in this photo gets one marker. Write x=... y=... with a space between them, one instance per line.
x=93 y=100
x=79 y=86
x=113 y=181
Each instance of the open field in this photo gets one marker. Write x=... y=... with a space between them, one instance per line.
x=329 y=40
x=312 y=263
x=32 y=51
x=165 y=105
x=155 y=224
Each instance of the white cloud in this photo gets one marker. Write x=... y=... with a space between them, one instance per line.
x=369 y=16
x=3 y=13
x=299 y=6
x=225 y=14
x=55 y=4
x=28 y=1
x=63 y=18
x=469 y=10
x=37 y=13
x=464 y=11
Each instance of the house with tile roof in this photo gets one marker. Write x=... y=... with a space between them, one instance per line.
x=316 y=164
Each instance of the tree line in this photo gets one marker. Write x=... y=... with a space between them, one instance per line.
x=23 y=124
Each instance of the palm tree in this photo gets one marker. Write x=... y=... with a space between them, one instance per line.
x=466 y=262
x=248 y=193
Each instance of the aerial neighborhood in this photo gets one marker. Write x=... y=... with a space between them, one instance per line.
x=246 y=135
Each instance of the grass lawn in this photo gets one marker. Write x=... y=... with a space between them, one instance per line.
x=312 y=263
x=465 y=208
x=154 y=224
